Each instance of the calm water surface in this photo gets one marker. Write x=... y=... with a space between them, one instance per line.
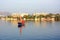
x=31 y=31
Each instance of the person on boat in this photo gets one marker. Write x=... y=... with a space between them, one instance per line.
x=22 y=21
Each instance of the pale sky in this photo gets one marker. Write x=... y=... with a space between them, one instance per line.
x=30 y=6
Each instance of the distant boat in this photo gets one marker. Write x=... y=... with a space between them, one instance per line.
x=19 y=24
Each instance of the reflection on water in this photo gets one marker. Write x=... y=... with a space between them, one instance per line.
x=20 y=29
x=14 y=22
x=33 y=30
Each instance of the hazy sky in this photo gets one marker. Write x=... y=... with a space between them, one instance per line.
x=30 y=6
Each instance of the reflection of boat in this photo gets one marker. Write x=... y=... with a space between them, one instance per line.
x=20 y=26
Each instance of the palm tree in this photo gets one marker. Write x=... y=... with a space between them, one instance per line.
x=57 y=17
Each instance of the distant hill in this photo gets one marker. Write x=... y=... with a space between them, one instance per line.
x=4 y=13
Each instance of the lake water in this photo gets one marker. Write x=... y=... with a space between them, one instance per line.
x=31 y=31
